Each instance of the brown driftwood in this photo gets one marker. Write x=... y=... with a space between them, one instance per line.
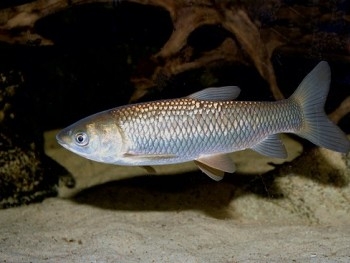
x=253 y=42
x=235 y=20
x=17 y=26
x=341 y=111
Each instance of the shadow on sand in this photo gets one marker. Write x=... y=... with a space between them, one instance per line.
x=195 y=191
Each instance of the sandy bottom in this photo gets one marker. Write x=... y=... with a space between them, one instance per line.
x=120 y=214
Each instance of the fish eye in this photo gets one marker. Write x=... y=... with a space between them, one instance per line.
x=81 y=138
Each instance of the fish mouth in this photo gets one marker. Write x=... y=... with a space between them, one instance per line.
x=60 y=137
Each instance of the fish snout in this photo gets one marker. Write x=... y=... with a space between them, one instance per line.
x=63 y=138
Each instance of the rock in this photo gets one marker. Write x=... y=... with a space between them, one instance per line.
x=26 y=174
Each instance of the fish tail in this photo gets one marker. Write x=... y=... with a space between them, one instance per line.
x=311 y=96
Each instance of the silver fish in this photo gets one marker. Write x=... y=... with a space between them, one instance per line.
x=205 y=127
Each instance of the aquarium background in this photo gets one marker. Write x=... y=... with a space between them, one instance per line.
x=61 y=61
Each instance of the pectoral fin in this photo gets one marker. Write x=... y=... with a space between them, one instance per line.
x=272 y=146
x=148 y=156
x=216 y=165
x=149 y=169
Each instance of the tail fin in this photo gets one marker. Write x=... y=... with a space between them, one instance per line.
x=311 y=96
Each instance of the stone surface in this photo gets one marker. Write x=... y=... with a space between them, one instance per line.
x=23 y=164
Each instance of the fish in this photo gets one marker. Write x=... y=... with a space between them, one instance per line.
x=205 y=127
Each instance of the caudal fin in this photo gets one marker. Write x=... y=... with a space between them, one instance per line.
x=311 y=96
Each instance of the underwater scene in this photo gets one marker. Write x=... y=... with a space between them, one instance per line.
x=174 y=131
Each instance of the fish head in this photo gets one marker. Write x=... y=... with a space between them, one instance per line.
x=97 y=138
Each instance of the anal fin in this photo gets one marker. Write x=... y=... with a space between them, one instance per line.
x=271 y=146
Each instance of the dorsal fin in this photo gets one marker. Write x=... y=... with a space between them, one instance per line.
x=217 y=94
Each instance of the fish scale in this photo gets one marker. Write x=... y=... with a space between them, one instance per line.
x=188 y=127
x=205 y=126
